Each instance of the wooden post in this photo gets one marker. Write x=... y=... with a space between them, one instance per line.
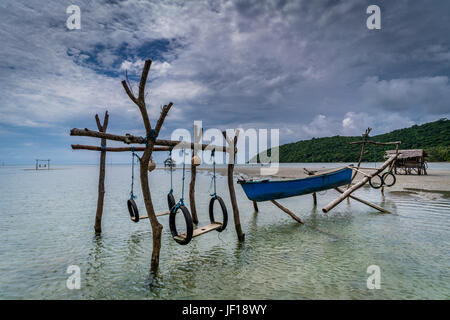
x=230 y=169
x=145 y=159
x=358 y=185
x=289 y=212
x=255 y=206
x=197 y=138
x=101 y=178
x=361 y=155
x=315 y=199
x=311 y=173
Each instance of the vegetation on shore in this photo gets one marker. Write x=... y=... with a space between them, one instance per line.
x=434 y=137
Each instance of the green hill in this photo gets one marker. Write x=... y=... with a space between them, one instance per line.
x=434 y=137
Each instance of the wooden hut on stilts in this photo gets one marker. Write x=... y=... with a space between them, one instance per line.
x=409 y=161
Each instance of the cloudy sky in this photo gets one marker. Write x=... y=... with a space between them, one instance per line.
x=308 y=68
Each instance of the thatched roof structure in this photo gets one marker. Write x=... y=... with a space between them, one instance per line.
x=405 y=154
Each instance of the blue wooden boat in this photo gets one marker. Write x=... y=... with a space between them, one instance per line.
x=271 y=190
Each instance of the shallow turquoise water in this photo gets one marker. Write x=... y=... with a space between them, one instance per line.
x=46 y=224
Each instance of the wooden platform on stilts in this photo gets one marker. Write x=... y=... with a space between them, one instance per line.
x=201 y=230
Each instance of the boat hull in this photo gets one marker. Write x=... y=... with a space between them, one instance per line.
x=273 y=190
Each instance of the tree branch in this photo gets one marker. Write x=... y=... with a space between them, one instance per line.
x=105 y=121
x=162 y=116
x=99 y=125
x=143 y=81
x=129 y=93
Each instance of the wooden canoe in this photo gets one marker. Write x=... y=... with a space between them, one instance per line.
x=272 y=190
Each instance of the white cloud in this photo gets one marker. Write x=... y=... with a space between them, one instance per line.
x=132 y=67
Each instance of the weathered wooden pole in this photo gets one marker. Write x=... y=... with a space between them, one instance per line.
x=364 y=201
x=311 y=173
x=150 y=140
x=255 y=206
x=115 y=149
x=230 y=169
x=128 y=138
x=197 y=139
x=101 y=178
x=358 y=185
x=361 y=155
x=289 y=212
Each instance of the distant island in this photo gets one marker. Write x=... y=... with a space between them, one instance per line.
x=433 y=137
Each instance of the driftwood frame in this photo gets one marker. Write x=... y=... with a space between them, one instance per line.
x=152 y=143
x=347 y=193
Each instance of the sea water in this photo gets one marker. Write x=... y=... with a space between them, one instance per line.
x=46 y=225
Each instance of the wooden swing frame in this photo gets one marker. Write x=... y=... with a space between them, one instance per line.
x=152 y=143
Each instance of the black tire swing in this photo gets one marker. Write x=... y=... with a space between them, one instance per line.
x=376 y=181
x=215 y=197
x=386 y=179
x=187 y=237
x=131 y=204
x=390 y=178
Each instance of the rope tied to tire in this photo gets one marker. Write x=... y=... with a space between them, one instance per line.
x=215 y=197
x=170 y=198
x=131 y=204
x=213 y=156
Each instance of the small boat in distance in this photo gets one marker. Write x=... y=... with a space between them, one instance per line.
x=266 y=190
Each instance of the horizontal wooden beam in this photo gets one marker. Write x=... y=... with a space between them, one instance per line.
x=190 y=145
x=363 y=173
x=130 y=139
x=119 y=149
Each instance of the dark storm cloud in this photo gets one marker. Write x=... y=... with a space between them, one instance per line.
x=310 y=68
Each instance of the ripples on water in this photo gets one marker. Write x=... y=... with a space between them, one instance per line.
x=46 y=224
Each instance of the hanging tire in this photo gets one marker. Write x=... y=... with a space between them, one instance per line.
x=389 y=179
x=224 y=212
x=133 y=210
x=189 y=225
x=170 y=201
x=376 y=182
